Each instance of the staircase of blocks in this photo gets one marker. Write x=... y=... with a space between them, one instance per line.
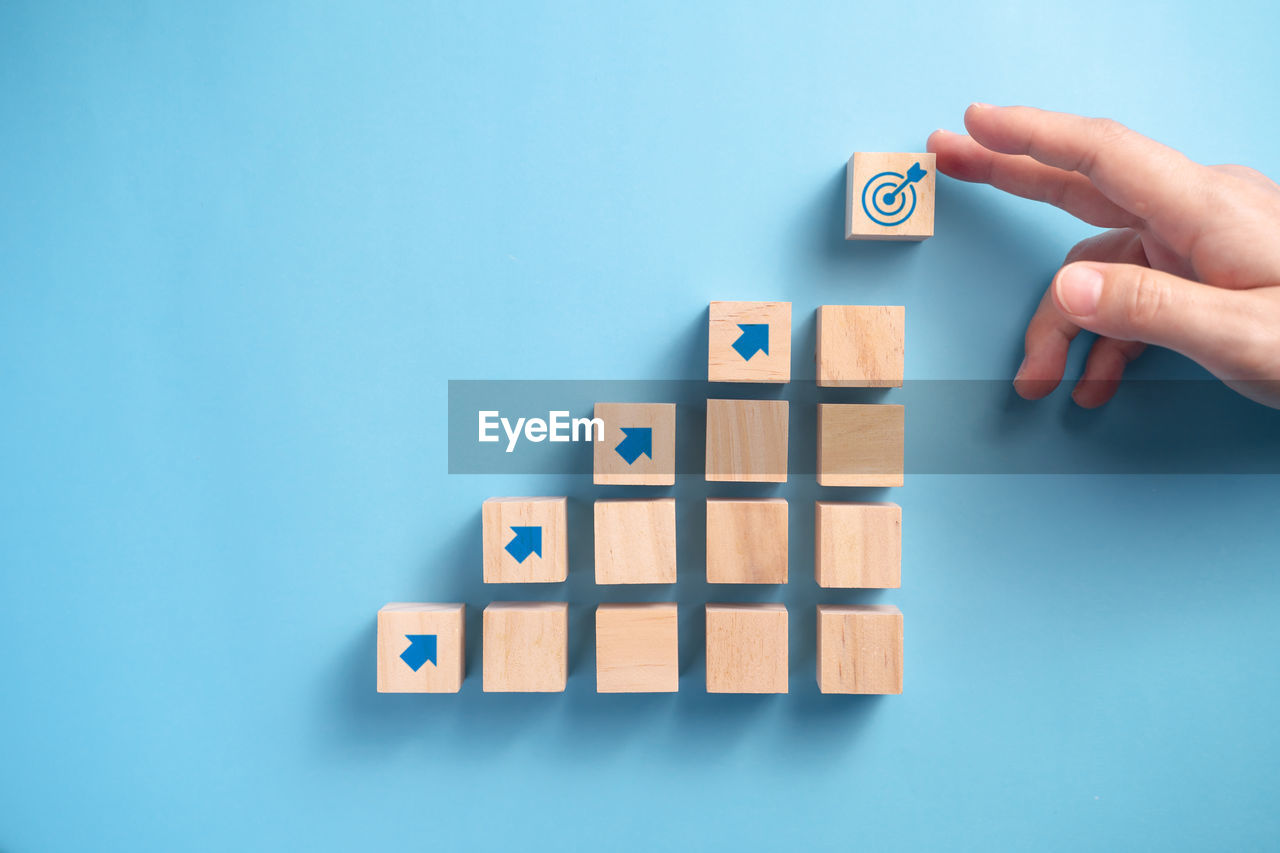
x=421 y=647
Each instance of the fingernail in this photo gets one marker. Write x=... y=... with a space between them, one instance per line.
x=1021 y=367
x=978 y=105
x=1079 y=289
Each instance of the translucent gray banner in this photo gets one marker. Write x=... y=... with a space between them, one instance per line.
x=952 y=426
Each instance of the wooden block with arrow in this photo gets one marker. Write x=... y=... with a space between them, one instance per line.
x=421 y=648
x=749 y=342
x=525 y=540
x=639 y=447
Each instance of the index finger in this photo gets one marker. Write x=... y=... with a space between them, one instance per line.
x=1161 y=186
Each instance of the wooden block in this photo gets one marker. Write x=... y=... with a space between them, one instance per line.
x=637 y=648
x=857 y=545
x=526 y=647
x=636 y=541
x=639 y=447
x=422 y=648
x=749 y=342
x=746 y=648
x=859 y=648
x=860 y=445
x=861 y=346
x=746 y=540
x=889 y=196
x=525 y=540
x=747 y=441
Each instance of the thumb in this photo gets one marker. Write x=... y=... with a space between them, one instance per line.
x=1136 y=303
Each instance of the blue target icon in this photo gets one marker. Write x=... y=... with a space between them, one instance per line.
x=889 y=198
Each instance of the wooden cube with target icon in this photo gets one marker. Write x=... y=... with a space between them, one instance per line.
x=889 y=196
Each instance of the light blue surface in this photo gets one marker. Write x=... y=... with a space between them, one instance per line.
x=242 y=248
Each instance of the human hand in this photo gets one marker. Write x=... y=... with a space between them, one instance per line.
x=1192 y=260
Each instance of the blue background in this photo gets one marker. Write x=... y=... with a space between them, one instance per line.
x=243 y=246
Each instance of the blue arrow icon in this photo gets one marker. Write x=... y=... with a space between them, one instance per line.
x=915 y=173
x=754 y=339
x=638 y=442
x=422 y=648
x=527 y=540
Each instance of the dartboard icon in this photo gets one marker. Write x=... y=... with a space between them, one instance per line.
x=889 y=198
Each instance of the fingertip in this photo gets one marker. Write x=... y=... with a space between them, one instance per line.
x=1077 y=288
x=1094 y=393
x=958 y=156
x=1034 y=389
x=975 y=110
x=1034 y=383
x=1103 y=371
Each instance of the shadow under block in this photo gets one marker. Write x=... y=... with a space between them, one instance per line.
x=747 y=441
x=746 y=540
x=880 y=202
x=637 y=648
x=860 y=445
x=861 y=346
x=422 y=648
x=857 y=545
x=526 y=647
x=525 y=540
x=761 y=352
x=859 y=648
x=746 y=648
x=642 y=455
x=636 y=541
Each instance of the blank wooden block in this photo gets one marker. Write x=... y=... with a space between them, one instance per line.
x=525 y=540
x=636 y=541
x=749 y=342
x=859 y=648
x=639 y=447
x=747 y=441
x=526 y=647
x=637 y=648
x=860 y=445
x=857 y=545
x=861 y=346
x=883 y=202
x=746 y=540
x=422 y=648
x=746 y=648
